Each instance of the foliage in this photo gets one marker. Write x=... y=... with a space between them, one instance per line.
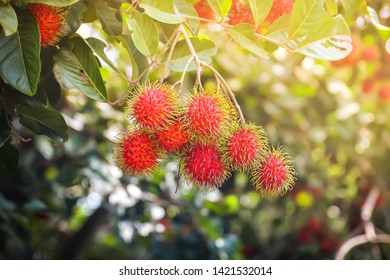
x=59 y=188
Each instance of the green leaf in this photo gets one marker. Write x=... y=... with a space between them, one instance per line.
x=145 y=33
x=244 y=35
x=331 y=7
x=139 y=62
x=306 y=17
x=56 y=3
x=108 y=18
x=161 y=11
x=278 y=31
x=74 y=17
x=79 y=67
x=260 y=9
x=204 y=48
x=220 y=7
x=20 y=64
x=350 y=9
x=9 y=159
x=186 y=8
x=330 y=42
x=98 y=46
x=383 y=30
x=43 y=121
x=8 y=19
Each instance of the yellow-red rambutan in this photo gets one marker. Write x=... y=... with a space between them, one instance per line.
x=136 y=153
x=153 y=106
x=202 y=166
x=207 y=114
x=242 y=147
x=51 y=22
x=275 y=174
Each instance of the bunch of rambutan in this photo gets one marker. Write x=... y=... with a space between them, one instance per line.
x=203 y=131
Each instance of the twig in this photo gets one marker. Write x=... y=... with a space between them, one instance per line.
x=369 y=235
x=172 y=48
x=181 y=81
x=359 y=240
x=194 y=55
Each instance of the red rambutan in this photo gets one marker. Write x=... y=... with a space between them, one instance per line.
x=275 y=173
x=51 y=22
x=153 y=106
x=202 y=166
x=172 y=138
x=203 y=9
x=240 y=12
x=243 y=147
x=278 y=9
x=206 y=114
x=136 y=153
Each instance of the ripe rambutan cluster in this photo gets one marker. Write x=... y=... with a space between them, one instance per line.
x=204 y=132
x=240 y=11
x=51 y=22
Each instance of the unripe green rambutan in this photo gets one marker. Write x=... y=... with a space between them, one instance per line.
x=202 y=166
x=153 y=106
x=173 y=138
x=136 y=153
x=275 y=174
x=243 y=147
x=207 y=114
x=51 y=22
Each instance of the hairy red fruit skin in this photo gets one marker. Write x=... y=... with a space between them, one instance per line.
x=242 y=147
x=153 y=106
x=275 y=174
x=203 y=9
x=278 y=9
x=51 y=22
x=202 y=166
x=172 y=138
x=136 y=153
x=206 y=115
x=240 y=12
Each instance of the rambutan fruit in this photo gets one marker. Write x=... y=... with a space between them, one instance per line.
x=51 y=22
x=136 y=153
x=278 y=9
x=203 y=9
x=275 y=174
x=240 y=12
x=153 y=106
x=242 y=147
x=202 y=166
x=206 y=114
x=173 y=138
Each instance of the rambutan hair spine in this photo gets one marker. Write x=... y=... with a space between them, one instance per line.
x=136 y=153
x=274 y=174
x=243 y=146
x=201 y=166
x=207 y=115
x=51 y=22
x=153 y=106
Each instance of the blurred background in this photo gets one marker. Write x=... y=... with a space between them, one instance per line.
x=69 y=200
